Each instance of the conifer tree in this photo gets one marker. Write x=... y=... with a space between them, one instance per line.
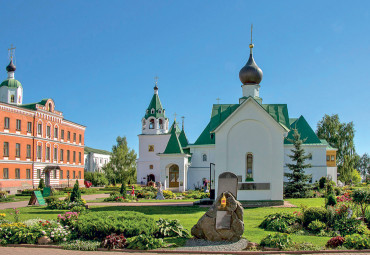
x=297 y=186
x=76 y=193
x=41 y=184
x=123 y=190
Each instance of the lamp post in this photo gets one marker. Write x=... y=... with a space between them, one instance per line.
x=212 y=189
x=68 y=179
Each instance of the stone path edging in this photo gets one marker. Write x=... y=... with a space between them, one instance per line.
x=161 y=251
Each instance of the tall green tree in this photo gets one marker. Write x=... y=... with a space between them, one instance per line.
x=364 y=164
x=122 y=165
x=297 y=186
x=340 y=135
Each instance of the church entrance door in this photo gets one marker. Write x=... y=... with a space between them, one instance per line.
x=174 y=176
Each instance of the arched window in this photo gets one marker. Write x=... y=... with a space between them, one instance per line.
x=249 y=167
x=12 y=98
x=161 y=124
x=50 y=107
x=204 y=157
x=152 y=111
x=159 y=111
x=151 y=124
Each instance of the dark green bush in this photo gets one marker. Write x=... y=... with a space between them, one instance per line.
x=76 y=192
x=144 y=242
x=357 y=242
x=102 y=224
x=332 y=201
x=123 y=190
x=350 y=226
x=316 y=226
x=322 y=182
x=50 y=199
x=314 y=213
x=279 y=222
x=277 y=240
x=41 y=184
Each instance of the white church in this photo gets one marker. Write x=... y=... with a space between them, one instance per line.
x=249 y=139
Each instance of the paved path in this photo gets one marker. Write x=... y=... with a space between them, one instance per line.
x=47 y=251
x=144 y=204
x=25 y=203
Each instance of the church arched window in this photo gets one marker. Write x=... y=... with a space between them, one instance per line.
x=204 y=157
x=50 y=107
x=152 y=111
x=12 y=98
x=151 y=124
x=161 y=124
x=249 y=162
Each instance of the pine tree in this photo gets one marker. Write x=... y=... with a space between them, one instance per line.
x=41 y=184
x=297 y=186
x=123 y=190
x=76 y=193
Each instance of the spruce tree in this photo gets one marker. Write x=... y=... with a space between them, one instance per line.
x=123 y=190
x=41 y=184
x=76 y=193
x=297 y=186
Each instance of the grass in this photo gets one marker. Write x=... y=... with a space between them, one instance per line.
x=188 y=216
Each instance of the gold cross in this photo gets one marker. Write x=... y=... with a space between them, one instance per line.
x=156 y=80
x=11 y=51
x=218 y=100
x=175 y=115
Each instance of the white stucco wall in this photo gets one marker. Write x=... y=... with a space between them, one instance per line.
x=250 y=129
x=95 y=161
x=318 y=162
x=166 y=160
x=147 y=158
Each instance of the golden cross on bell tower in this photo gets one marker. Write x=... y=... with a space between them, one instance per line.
x=175 y=114
x=251 y=45
x=11 y=51
x=156 y=80
x=218 y=100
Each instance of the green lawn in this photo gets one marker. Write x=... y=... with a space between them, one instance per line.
x=188 y=216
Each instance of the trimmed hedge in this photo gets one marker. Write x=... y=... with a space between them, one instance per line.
x=102 y=224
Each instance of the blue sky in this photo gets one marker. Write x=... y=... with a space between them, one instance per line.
x=97 y=59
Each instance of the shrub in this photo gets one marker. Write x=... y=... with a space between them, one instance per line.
x=335 y=242
x=16 y=233
x=322 y=182
x=314 y=213
x=41 y=184
x=168 y=194
x=69 y=218
x=361 y=197
x=144 y=242
x=195 y=194
x=350 y=226
x=316 y=226
x=76 y=193
x=277 y=240
x=102 y=224
x=331 y=200
x=114 y=241
x=50 y=199
x=304 y=247
x=123 y=190
x=337 y=191
x=78 y=209
x=170 y=228
x=81 y=245
x=279 y=222
x=357 y=242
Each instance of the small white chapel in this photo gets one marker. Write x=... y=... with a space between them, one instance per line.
x=249 y=139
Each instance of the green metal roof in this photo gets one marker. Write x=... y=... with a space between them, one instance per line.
x=220 y=112
x=328 y=146
x=173 y=145
x=183 y=139
x=32 y=106
x=304 y=130
x=89 y=149
x=155 y=104
x=11 y=83
x=175 y=126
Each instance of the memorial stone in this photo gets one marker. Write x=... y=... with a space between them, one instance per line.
x=228 y=182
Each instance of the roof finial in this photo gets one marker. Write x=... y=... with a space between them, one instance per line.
x=183 y=118
x=11 y=52
x=175 y=114
x=218 y=100
x=251 y=45
x=156 y=82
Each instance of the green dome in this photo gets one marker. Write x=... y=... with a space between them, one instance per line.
x=11 y=83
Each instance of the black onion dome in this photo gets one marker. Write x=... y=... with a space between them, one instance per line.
x=250 y=73
x=11 y=67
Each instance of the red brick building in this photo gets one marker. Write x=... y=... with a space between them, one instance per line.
x=36 y=141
